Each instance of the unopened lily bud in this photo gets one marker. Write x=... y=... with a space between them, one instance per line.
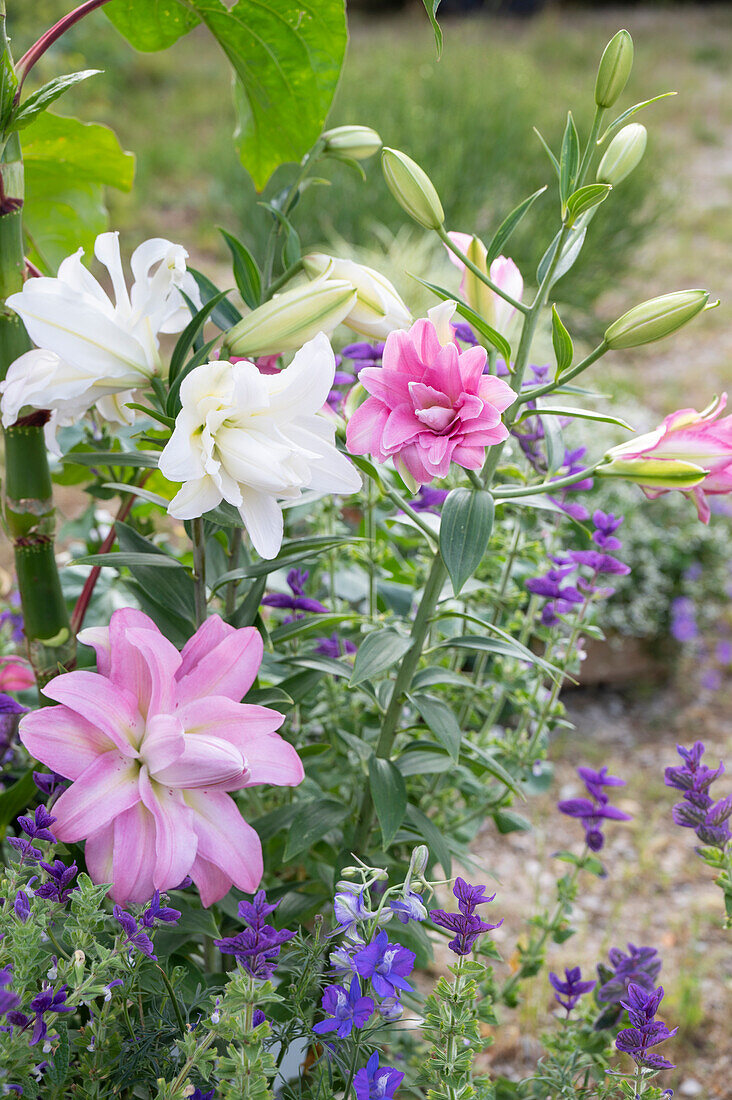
x=656 y=318
x=615 y=65
x=378 y=309
x=290 y=319
x=654 y=473
x=624 y=153
x=357 y=142
x=412 y=188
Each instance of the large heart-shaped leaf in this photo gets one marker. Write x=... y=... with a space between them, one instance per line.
x=67 y=165
x=287 y=56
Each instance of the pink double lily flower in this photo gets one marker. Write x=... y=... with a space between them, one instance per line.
x=701 y=438
x=153 y=741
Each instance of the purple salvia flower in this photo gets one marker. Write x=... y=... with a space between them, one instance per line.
x=346 y=1009
x=571 y=988
x=298 y=601
x=594 y=810
x=157 y=912
x=8 y=999
x=257 y=947
x=645 y=1031
x=47 y=1000
x=334 y=646
x=58 y=887
x=37 y=827
x=372 y=1083
x=386 y=964
x=641 y=966
x=466 y=924
x=365 y=354
x=135 y=938
x=21 y=905
x=429 y=499
x=48 y=783
x=464 y=333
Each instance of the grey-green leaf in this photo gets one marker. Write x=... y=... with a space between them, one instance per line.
x=465 y=530
x=312 y=822
x=569 y=160
x=389 y=793
x=562 y=341
x=507 y=226
x=377 y=653
x=441 y=720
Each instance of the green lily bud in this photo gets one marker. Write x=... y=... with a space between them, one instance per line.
x=357 y=142
x=654 y=473
x=615 y=65
x=623 y=154
x=655 y=319
x=290 y=319
x=412 y=188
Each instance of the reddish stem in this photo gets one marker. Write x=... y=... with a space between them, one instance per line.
x=82 y=604
x=46 y=40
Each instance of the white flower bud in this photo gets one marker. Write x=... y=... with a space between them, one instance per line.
x=615 y=65
x=378 y=309
x=623 y=154
x=290 y=319
x=357 y=142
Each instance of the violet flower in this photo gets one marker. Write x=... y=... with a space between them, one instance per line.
x=156 y=912
x=698 y=810
x=349 y=908
x=386 y=964
x=641 y=966
x=21 y=906
x=466 y=924
x=429 y=500
x=646 y=1031
x=334 y=646
x=49 y=783
x=8 y=999
x=364 y=354
x=198 y=1095
x=46 y=1001
x=136 y=939
x=258 y=946
x=37 y=827
x=58 y=887
x=372 y=1083
x=409 y=907
x=594 y=810
x=572 y=988
x=298 y=601
x=346 y=1009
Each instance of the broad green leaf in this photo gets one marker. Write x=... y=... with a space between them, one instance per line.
x=226 y=315
x=67 y=165
x=248 y=609
x=562 y=342
x=377 y=653
x=508 y=821
x=431 y=6
x=441 y=720
x=424 y=758
x=152 y=24
x=570 y=253
x=173 y=588
x=15 y=798
x=585 y=199
x=465 y=530
x=507 y=226
x=312 y=822
x=246 y=272
x=190 y=334
x=494 y=338
x=569 y=160
x=45 y=96
x=389 y=792
x=287 y=55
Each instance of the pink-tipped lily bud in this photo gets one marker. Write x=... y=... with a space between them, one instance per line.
x=412 y=188
x=615 y=65
x=378 y=309
x=356 y=142
x=290 y=319
x=504 y=273
x=690 y=451
x=656 y=318
x=624 y=153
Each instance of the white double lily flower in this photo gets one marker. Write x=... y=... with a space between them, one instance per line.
x=91 y=350
x=255 y=440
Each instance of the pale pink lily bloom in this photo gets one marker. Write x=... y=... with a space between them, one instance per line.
x=504 y=273
x=702 y=438
x=153 y=741
x=16 y=674
x=430 y=404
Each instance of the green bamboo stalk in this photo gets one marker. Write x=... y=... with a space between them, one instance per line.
x=27 y=497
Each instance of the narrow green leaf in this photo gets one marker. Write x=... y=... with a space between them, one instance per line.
x=465 y=530
x=377 y=653
x=432 y=837
x=630 y=112
x=431 y=6
x=570 y=253
x=507 y=226
x=248 y=609
x=389 y=793
x=569 y=160
x=139 y=492
x=290 y=554
x=562 y=341
x=585 y=199
x=190 y=334
x=45 y=96
x=441 y=720
x=173 y=588
x=494 y=338
x=246 y=272
x=547 y=150
x=424 y=758
x=117 y=559
x=579 y=414
x=312 y=822
x=226 y=315
x=138 y=459
x=508 y=821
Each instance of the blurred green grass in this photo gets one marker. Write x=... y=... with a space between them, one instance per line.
x=467 y=118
